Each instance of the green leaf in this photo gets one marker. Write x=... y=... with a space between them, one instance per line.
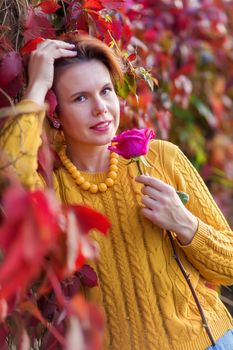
x=128 y=86
x=144 y=74
x=184 y=197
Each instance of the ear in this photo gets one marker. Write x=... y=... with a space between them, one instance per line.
x=52 y=113
x=51 y=100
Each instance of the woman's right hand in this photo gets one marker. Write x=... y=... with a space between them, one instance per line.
x=41 y=67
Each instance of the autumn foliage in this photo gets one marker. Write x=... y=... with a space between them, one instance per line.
x=179 y=66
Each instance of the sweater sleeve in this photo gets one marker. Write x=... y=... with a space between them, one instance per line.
x=20 y=139
x=211 y=250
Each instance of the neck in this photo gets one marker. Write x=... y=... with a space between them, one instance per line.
x=89 y=158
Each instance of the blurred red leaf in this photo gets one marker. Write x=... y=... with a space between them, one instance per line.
x=3 y=309
x=89 y=219
x=117 y=29
x=46 y=160
x=74 y=246
x=27 y=234
x=113 y=4
x=31 y=45
x=4 y=332
x=93 y=5
x=186 y=69
x=150 y=35
x=81 y=260
x=127 y=33
x=10 y=67
x=49 y=6
x=33 y=310
x=91 y=321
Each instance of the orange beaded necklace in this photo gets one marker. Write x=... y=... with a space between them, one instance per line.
x=80 y=180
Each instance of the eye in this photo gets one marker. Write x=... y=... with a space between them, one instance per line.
x=80 y=98
x=106 y=90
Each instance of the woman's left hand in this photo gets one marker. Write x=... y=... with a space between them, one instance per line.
x=165 y=209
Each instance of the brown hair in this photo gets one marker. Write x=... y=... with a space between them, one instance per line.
x=90 y=48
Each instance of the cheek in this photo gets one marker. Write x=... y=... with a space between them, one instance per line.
x=116 y=106
x=69 y=112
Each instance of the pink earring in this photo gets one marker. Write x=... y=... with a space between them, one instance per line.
x=56 y=123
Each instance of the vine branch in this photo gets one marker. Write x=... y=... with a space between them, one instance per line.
x=187 y=278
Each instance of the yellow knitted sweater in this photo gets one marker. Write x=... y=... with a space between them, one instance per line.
x=146 y=301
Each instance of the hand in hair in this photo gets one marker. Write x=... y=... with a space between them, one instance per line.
x=41 y=67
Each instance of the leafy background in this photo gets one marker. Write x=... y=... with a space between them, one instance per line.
x=179 y=71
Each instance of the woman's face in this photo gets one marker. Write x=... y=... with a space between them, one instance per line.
x=88 y=105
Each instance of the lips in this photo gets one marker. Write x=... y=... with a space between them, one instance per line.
x=101 y=125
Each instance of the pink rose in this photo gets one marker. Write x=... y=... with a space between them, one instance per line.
x=132 y=143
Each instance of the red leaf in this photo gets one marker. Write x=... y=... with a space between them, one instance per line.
x=102 y=25
x=132 y=57
x=117 y=29
x=82 y=22
x=76 y=18
x=37 y=25
x=11 y=90
x=93 y=5
x=88 y=276
x=10 y=67
x=31 y=45
x=89 y=219
x=49 y=6
x=74 y=11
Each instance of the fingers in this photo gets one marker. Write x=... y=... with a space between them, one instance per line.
x=55 y=49
x=147 y=213
x=64 y=53
x=150 y=191
x=149 y=202
x=150 y=181
x=55 y=44
x=156 y=184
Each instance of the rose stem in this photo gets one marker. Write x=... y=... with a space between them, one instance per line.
x=139 y=167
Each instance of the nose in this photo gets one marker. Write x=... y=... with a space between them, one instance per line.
x=99 y=107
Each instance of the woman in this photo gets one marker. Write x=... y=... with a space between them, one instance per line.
x=146 y=300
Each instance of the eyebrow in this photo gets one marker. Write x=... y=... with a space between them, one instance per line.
x=85 y=92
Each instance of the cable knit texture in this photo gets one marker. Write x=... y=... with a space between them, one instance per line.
x=146 y=301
